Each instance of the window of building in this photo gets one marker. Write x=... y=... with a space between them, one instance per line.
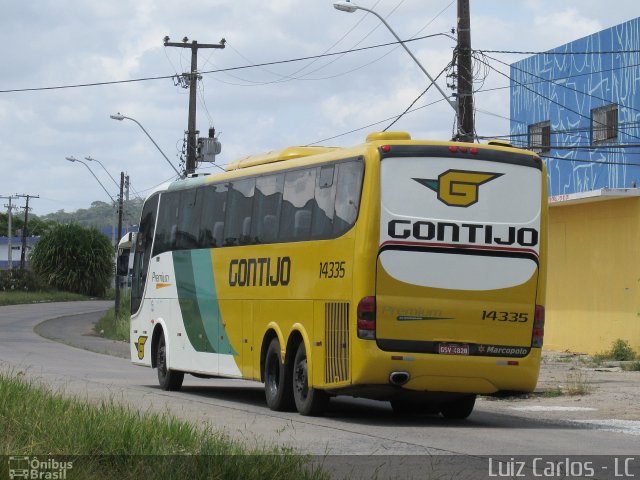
x=604 y=123
x=540 y=137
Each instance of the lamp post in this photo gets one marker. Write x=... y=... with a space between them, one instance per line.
x=73 y=159
x=89 y=159
x=118 y=186
x=346 y=6
x=118 y=116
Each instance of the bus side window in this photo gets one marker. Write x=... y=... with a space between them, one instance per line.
x=237 y=226
x=325 y=196
x=214 y=199
x=142 y=252
x=166 y=231
x=297 y=205
x=347 y=196
x=267 y=204
x=188 y=226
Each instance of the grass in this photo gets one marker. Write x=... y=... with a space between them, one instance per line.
x=107 y=440
x=620 y=351
x=553 y=392
x=19 y=298
x=631 y=367
x=578 y=383
x=116 y=328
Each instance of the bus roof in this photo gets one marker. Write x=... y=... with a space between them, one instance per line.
x=277 y=156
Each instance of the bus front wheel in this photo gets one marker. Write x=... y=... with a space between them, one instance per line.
x=277 y=380
x=169 y=379
x=309 y=401
x=458 y=409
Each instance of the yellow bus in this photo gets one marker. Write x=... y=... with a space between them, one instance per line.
x=400 y=270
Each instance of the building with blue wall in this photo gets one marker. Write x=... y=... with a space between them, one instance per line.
x=579 y=106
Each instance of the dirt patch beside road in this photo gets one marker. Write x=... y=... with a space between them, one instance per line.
x=572 y=386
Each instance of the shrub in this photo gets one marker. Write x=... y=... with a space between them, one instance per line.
x=620 y=350
x=74 y=259
x=20 y=280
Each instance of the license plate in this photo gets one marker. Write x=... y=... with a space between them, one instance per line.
x=453 y=349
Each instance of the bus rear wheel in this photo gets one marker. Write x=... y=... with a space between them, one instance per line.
x=170 y=380
x=277 y=380
x=309 y=401
x=458 y=409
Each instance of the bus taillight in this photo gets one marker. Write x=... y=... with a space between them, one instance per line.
x=367 y=318
x=537 y=337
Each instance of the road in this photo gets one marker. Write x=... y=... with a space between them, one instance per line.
x=351 y=426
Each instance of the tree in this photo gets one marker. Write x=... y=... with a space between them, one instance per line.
x=75 y=259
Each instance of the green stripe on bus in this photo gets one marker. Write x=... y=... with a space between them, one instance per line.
x=188 y=300
x=206 y=294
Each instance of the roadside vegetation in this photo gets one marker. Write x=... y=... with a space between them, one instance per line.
x=107 y=441
x=23 y=286
x=116 y=328
x=620 y=351
x=20 y=298
x=73 y=258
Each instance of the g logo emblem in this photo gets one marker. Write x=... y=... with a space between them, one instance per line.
x=458 y=188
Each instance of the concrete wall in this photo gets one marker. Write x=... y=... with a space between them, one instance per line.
x=593 y=295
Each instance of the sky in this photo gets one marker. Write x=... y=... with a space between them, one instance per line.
x=331 y=101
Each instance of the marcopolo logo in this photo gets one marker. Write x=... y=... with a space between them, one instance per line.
x=458 y=188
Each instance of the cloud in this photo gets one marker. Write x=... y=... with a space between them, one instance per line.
x=564 y=26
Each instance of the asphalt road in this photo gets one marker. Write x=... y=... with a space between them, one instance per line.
x=351 y=426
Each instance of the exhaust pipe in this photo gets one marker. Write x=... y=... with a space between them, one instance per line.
x=399 y=378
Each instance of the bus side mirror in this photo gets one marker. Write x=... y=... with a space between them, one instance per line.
x=123 y=262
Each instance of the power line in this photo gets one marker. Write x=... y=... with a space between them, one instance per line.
x=599 y=162
x=549 y=99
x=547 y=52
x=372 y=124
x=417 y=98
x=284 y=78
x=560 y=84
x=622 y=67
x=565 y=131
x=219 y=70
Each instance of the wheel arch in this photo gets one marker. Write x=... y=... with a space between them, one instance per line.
x=299 y=335
x=272 y=331
x=158 y=333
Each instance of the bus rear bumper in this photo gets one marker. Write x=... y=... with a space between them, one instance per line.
x=449 y=373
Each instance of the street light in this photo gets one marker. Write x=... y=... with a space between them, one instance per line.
x=73 y=159
x=118 y=116
x=347 y=6
x=89 y=159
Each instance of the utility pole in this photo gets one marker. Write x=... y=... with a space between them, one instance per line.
x=126 y=203
x=24 y=229
x=117 y=300
x=9 y=234
x=466 y=128
x=192 y=81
